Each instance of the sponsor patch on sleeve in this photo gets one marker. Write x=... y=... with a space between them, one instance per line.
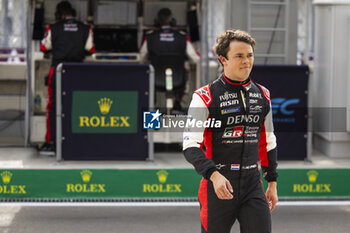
x=205 y=94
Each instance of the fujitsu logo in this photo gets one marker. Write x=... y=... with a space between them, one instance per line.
x=227 y=96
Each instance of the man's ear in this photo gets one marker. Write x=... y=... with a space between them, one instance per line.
x=222 y=60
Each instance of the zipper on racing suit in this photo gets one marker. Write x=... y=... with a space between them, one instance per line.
x=244 y=97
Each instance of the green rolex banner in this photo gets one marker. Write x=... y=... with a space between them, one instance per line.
x=314 y=182
x=153 y=183
x=104 y=111
x=96 y=183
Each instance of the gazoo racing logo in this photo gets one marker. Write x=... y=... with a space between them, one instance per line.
x=243 y=119
x=105 y=105
x=233 y=132
x=239 y=131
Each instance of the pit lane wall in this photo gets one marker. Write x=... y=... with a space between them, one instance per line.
x=151 y=183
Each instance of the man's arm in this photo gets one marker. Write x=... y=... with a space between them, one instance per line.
x=144 y=50
x=46 y=42
x=222 y=186
x=268 y=149
x=268 y=158
x=271 y=195
x=191 y=52
x=193 y=138
x=89 y=45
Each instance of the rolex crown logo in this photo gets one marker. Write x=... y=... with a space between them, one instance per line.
x=162 y=176
x=86 y=175
x=105 y=105
x=312 y=176
x=6 y=177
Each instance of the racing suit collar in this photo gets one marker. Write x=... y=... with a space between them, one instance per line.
x=236 y=83
x=232 y=82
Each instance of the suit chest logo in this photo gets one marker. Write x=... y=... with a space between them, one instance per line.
x=228 y=99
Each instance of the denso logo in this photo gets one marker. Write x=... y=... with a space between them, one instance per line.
x=282 y=105
x=242 y=118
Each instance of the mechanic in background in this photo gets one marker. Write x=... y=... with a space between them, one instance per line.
x=69 y=40
x=168 y=48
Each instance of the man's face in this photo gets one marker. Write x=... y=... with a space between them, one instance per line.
x=239 y=62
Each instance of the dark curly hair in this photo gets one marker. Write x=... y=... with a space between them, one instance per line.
x=164 y=16
x=64 y=8
x=223 y=41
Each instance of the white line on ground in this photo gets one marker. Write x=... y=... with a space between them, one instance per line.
x=11 y=164
x=313 y=203
x=161 y=204
x=7 y=215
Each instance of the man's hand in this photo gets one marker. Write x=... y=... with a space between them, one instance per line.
x=222 y=186
x=271 y=195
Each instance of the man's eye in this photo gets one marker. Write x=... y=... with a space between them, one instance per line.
x=239 y=56
x=250 y=55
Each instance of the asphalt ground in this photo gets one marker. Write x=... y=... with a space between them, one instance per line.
x=55 y=218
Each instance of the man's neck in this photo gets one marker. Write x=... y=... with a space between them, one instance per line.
x=234 y=79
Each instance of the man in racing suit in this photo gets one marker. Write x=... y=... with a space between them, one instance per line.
x=239 y=133
x=70 y=41
x=168 y=48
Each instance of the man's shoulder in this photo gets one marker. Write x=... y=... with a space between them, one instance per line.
x=205 y=88
x=68 y=21
x=56 y=24
x=181 y=32
x=149 y=32
x=82 y=23
x=264 y=90
x=56 y=27
x=205 y=94
x=152 y=33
